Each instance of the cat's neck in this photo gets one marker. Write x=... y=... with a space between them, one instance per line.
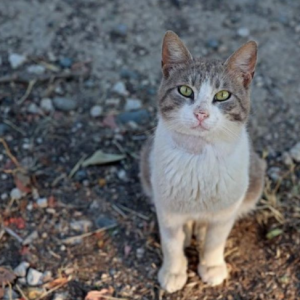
x=197 y=144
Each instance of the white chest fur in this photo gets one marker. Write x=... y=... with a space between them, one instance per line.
x=208 y=181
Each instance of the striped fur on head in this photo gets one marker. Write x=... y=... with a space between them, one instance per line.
x=206 y=77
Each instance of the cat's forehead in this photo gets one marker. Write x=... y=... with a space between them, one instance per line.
x=199 y=71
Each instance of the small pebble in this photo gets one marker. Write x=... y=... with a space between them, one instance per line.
x=64 y=104
x=30 y=238
x=47 y=105
x=10 y=294
x=275 y=173
x=120 y=30
x=4 y=176
x=132 y=104
x=243 y=32
x=16 y=60
x=140 y=253
x=96 y=111
x=120 y=89
x=15 y=194
x=36 y=69
x=21 y=269
x=103 y=221
x=3 y=129
x=34 y=277
x=213 y=44
x=47 y=276
x=61 y=296
x=139 y=117
x=42 y=202
x=65 y=62
x=287 y=159
x=33 y=108
x=295 y=152
x=122 y=175
x=81 y=225
x=4 y=196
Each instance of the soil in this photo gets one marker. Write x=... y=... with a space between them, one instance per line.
x=86 y=48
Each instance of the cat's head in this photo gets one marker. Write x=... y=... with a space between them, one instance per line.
x=204 y=97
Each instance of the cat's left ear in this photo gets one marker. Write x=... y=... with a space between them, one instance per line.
x=242 y=62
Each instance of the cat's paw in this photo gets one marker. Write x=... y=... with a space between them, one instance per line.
x=213 y=275
x=172 y=282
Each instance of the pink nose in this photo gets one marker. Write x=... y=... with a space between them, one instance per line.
x=201 y=115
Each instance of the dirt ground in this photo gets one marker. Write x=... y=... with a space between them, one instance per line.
x=97 y=64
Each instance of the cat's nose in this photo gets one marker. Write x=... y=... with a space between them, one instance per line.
x=201 y=115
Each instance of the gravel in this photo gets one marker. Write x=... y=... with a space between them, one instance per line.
x=120 y=88
x=96 y=111
x=64 y=104
x=36 y=69
x=295 y=152
x=16 y=60
x=47 y=105
x=34 y=277
x=132 y=104
x=243 y=32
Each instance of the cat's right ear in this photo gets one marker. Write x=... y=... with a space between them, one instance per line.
x=173 y=52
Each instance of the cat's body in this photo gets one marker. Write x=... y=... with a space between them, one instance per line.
x=200 y=166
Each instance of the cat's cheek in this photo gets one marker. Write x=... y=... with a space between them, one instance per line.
x=187 y=118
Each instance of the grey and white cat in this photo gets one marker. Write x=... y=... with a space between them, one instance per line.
x=199 y=168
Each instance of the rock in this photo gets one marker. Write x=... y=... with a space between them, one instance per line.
x=120 y=30
x=286 y=159
x=297 y=28
x=33 y=109
x=36 y=69
x=122 y=175
x=128 y=74
x=243 y=32
x=3 y=129
x=140 y=253
x=4 y=196
x=81 y=225
x=96 y=111
x=213 y=44
x=61 y=296
x=275 y=173
x=42 y=202
x=47 y=276
x=10 y=294
x=22 y=281
x=47 y=105
x=295 y=152
x=132 y=104
x=139 y=117
x=103 y=221
x=15 y=194
x=34 y=277
x=64 y=104
x=81 y=175
x=30 y=238
x=120 y=89
x=16 y=60
x=21 y=269
x=65 y=62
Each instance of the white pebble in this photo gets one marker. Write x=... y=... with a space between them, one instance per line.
x=36 y=69
x=132 y=104
x=295 y=152
x=96 y=111
x=42 y=202
x=15 y=194
x=16 y=60
x=21 y=269
x=4 y=196
x=34 y=277
x=120 y=88
x=243 y=32
x=47 y=105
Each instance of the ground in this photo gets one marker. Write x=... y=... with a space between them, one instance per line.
x=85 y=48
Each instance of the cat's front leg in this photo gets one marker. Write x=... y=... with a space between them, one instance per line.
x=173 y=274
x=212 y=267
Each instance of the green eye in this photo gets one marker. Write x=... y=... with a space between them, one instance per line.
x=185 y=91
x=222 y=96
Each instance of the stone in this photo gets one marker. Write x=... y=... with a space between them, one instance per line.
x=33 y=109
x=65 y=62
x=103 y=221
x=42 y=202
x=132 y=104
x=139 y=117
x=3 y=129
x=243 y=32
x=275 y=173
x=16 y=194
x=30 y=238
x=81 y=175
x=120 y=30
x=120 y=88
x=96 y=111
x=47 y=105
x=16 y=60
x=295 y=152
x=61 y=296
x=21 y=269
x=4 y=196
x=10 y=294
x=213 y=43
x=287 y=159
x=64 y=104
x=122 y=175
x=128 y=74
x=34 y=277
x=36 y=69
x=81 y=225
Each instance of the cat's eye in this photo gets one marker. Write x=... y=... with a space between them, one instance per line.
x=185 y=91
x=222 y=96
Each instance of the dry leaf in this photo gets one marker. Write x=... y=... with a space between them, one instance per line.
x=56 y=282
x=96 y=295
x=6 y=276
x=100 y=158
x=274 y=233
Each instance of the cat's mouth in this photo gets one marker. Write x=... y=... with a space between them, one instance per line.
x=200 y=126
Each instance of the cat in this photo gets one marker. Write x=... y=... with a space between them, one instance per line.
x=199 y=168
